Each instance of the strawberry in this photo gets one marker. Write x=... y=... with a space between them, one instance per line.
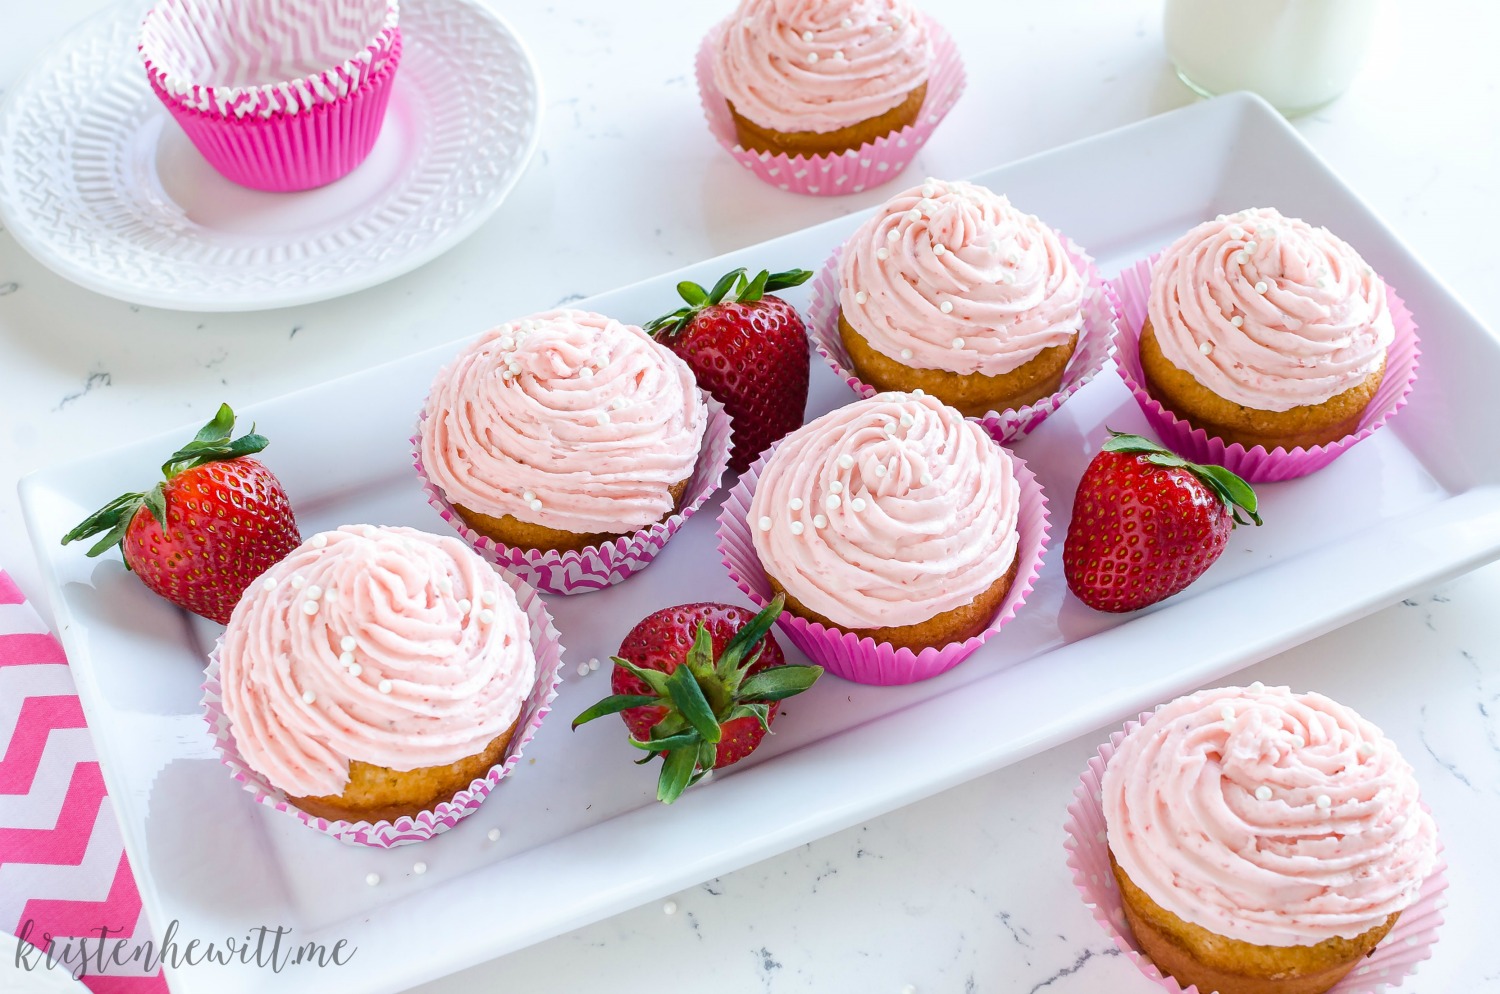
x=747 y=349
x=1146 y=523
x=201 y=536
x=699 y=685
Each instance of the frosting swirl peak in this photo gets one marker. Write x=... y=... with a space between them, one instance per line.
x=567 y=419
x=385 y=645
x=820 y=65
x=886 y=512
x=1266 y=816
x=951 y=276
x=1268 y=311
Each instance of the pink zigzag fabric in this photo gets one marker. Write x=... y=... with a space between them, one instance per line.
x=69 y=808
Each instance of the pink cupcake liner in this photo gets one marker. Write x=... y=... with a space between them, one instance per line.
x=864 y=660
x=598 y=566
x=1408 y=944
x=546 y=644
x=854 y=171
x=278 y=137
x=1132 y=289
x=1095 y=345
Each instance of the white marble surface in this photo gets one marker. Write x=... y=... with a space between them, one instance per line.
x=966 y=891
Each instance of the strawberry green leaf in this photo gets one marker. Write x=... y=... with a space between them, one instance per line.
x=156 y=502
x=666 y=742
x=122 y=508
x=114 y=537
x=676 y=773
x=700 y=656
x=721 y=288
x=692 y=292
x=1234 y=492
x=655 y=679
x=787 y=280
x=760 y=712
x=613 y=704
x=749 y=636
x=779 y=683
x=688 y=697
x=756 y=288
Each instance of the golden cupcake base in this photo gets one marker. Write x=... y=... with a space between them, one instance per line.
x=514 y=532
x=810 y=143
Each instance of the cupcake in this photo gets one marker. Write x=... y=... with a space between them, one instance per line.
x=893 y=518
x=819 y=77
x=374 y=673
x=1264 y=841
x=951 y=290
x=1263 y=330
x=563 y=431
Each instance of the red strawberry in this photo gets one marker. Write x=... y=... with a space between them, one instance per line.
x=199 y=538
x=1146 y=523
x=747 y=349
x=699 y=685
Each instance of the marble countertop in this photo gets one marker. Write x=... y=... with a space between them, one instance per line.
x=627 y=184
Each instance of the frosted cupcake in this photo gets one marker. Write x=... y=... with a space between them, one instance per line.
x=894 y=518
x=1263 y=330
x=818 y=77
x=1264 y=841
x=375 y=672
x=562 y=431
x=951 y=290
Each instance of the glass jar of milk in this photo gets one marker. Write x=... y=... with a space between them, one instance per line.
x=1298 y=54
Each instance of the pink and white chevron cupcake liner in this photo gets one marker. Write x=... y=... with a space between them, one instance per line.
x=598 y=566
x=1095 y=345
x=854 y=171
x=865 y=660
x=1132 y=290
x=298 y=130
x=547 y=645
x=1087 y=845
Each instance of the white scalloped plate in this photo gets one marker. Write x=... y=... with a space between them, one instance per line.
x=102 y=186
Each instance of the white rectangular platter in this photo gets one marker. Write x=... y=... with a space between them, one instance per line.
x=580 y=834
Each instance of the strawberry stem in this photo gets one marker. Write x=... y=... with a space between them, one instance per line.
x=734 y=287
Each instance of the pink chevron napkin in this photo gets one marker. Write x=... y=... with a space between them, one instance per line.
x=63 y=871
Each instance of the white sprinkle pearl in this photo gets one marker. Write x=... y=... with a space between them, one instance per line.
x=535 y=505
x=445 y=583
x=861 y=297
x=958 y=343
x=486 y=616
x=314 y=592
x=348 y=643
x=583 y=669
x=914 y=215
x=298 y=583
x=319 y=540
x=1324 y=801
x=488 y=598
x=832 y=502
x=797 y=527
x=812 y=57
x=309 y=607
x=907 y=420
x=906 y=353
x=819 y=521
x=419 y=868
x=670 y=908
x=919 y=392
x=464 y=604
x=846 y=461
x=593 y=662
x=836 y=487
x=528 y=496
x=1226 y=712
x=839 y=54
x=1260 y=286
x=308 y=697
x=846 y=22
x=1207 y=348
x=1236 y=231
x=926 y=479
x=947 y=308
x=355 y=669
x=346 y=659
x=765 y=523
x=939 y=249
x=892 y=235
x=384 y=687
x=494 y=835
x=1298 y=742
x=857 y=504
x=889 y=427
x=795 y=503
x=807 y=36
x=1257 y=688
x=602 y=417
x=1366 y=749
x=1237 y=321
x=881 y=471
x=373 y=879
x=1242 y=257
x=1262 y=793
x=1249 y=246
x=882 y=253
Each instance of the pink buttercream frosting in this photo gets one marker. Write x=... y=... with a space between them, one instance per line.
x=566 y=419
x=951 y=276
x=385 y=645
x=1313 y=320
x=820 y=65
x=1266 y=816
x=886 y=512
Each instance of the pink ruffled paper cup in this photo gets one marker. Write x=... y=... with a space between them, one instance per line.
x=1095 y=345
x=598 y=566
x=865 y=660
x=853 y=171
x=548 y=648
x=1087 y=846
x=277 y=95
x=1132 y=290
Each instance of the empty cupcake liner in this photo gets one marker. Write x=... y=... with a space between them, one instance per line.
x=1095 y=345
x=1087 y=845
x=284 y=136
x=864 y=660
x=1132 y=289
x=598 y=566
x=546 y=644
x=854 y=171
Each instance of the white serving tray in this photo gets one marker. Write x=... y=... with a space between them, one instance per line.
x=581 y=837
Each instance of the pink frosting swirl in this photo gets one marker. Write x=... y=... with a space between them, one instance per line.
x=385 y=645
x=951 y=276
x=886 y=512
x=1266 y=816
x=820 y=65
x=1268 y=311
x=566 y=419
